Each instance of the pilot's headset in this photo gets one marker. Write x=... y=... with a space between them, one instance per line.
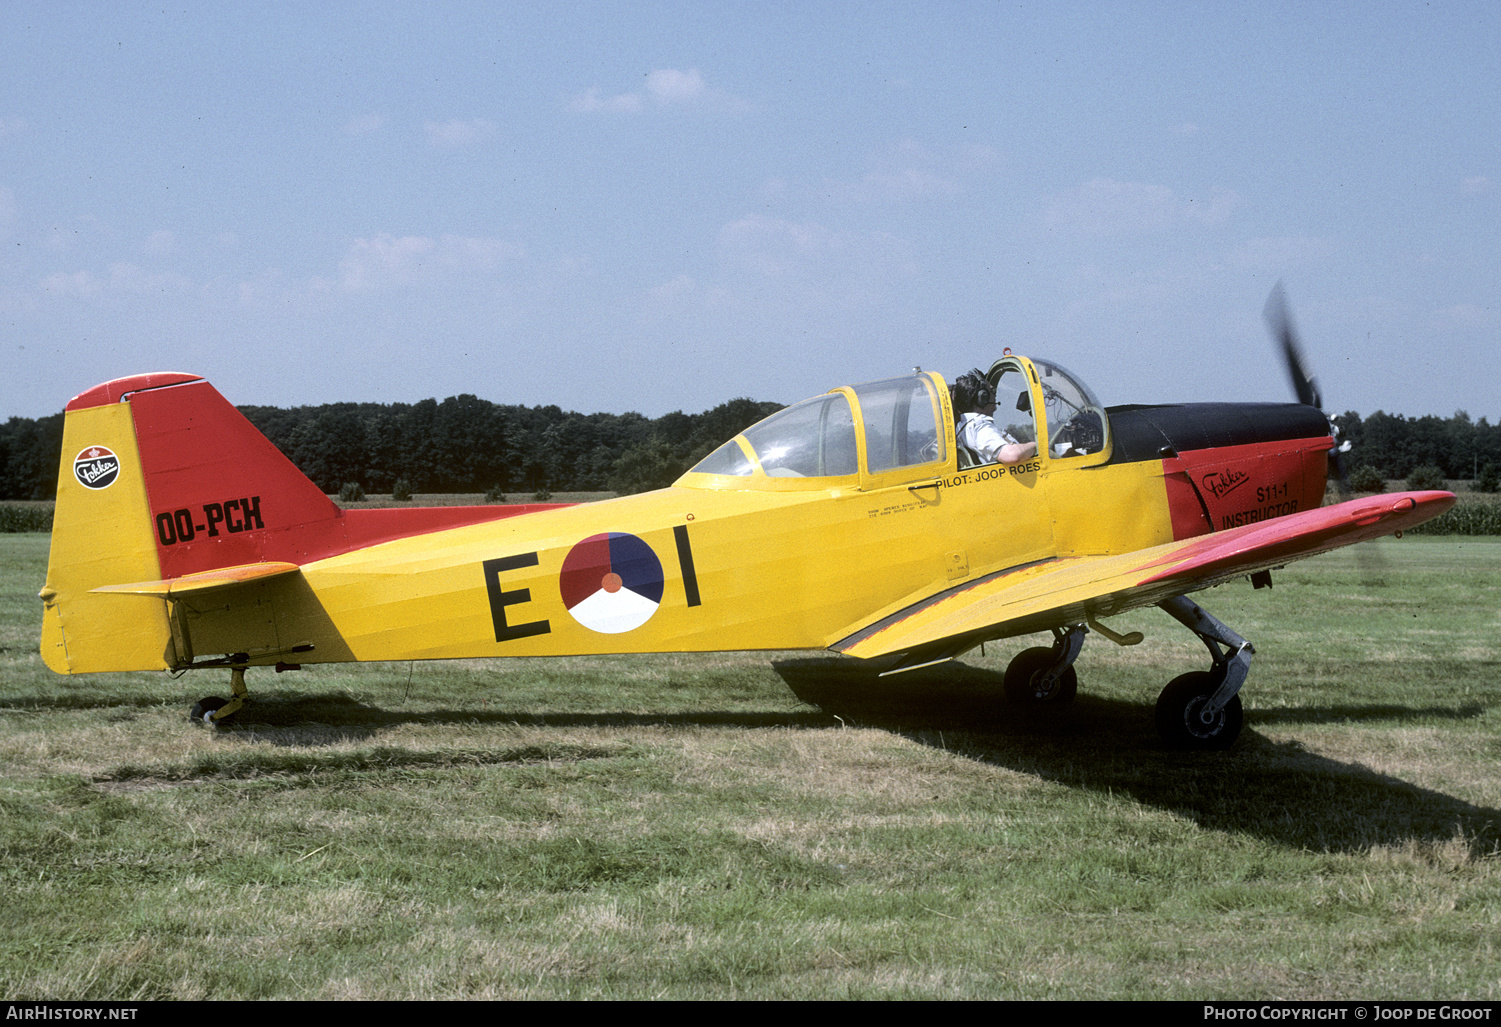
x=973 y=391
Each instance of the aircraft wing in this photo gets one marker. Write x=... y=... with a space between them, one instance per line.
x=1069 y=591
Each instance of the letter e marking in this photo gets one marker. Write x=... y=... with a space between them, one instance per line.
x=501 y=598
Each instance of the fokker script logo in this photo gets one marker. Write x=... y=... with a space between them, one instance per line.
x=96 y=468
x=1222 y=483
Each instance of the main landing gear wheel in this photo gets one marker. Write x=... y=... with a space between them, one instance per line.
x=211 y=704
x=1028 y=682
x=1180 y=713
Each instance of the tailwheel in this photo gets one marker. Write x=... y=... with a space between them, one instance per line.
x=1034 y=678
x=213 y=710
x=1182 y=717
x=206 y=706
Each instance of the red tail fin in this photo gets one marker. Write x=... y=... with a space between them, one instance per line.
x=220 y=493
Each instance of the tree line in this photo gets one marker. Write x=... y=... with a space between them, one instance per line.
x=467 y=444
x=463 y=444
x=1394 y=446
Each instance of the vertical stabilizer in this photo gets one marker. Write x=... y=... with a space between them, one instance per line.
x=161 y=477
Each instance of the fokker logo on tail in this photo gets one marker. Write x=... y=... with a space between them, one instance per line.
x=96 y=468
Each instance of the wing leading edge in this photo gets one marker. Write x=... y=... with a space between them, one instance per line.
x=1057 y=593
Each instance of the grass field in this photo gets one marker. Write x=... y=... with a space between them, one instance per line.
x=691 y=828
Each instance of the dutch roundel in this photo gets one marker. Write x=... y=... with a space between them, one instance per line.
x=611 y=583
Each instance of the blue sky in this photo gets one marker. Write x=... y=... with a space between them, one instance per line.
x=637 y=206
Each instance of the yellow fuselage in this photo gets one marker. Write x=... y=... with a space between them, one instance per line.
x=773 y=569
x=761 y=556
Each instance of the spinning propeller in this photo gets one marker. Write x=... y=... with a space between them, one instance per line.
x=1279 y=320
x=1372 y=566
x=1305 y=385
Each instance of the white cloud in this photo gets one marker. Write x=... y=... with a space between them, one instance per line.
x=665 y=87
x=130 y=278
x=888 y=186
x=7 y=204
x=1475 y=185
x=911 y=172
x=123 y=279
x=774 y=246
x=670 y=86
x=590 y=100
x=774 y=188
x=159 y=243
x=364 y=124
x=1103 y=206
x=680 y=286
x=1279 y=254
x=76 y=283
x=11 y=126
x=1469 y=315
x=385 y=261
x=809 y=258
x=456 y=133
x=476 y=253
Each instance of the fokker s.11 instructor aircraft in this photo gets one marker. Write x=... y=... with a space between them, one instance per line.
x=853 y=522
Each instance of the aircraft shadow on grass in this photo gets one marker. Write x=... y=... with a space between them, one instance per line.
x=1274 y=790
x=327 y=718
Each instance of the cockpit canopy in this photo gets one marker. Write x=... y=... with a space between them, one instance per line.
x=903 y=428
x=1073 y=419
x=900 y=424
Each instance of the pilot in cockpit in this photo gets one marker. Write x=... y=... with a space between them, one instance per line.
x=974 y=399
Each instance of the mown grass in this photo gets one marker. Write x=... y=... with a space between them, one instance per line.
x=689 y=827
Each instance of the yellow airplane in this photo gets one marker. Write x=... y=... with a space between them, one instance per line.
x=853 y=522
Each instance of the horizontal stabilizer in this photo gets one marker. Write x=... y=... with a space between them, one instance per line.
x=203 y=581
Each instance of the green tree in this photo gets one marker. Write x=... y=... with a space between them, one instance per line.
x=467 y=446
x=30 y=454
x=645 y=466
x=1426 y=477
x=329 y=446
x=1367 y=479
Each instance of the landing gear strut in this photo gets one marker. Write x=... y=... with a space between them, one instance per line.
x=1202 y=710
x=213 y=710
x=1046 y=676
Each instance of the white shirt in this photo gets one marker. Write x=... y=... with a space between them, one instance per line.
x=979 y=433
